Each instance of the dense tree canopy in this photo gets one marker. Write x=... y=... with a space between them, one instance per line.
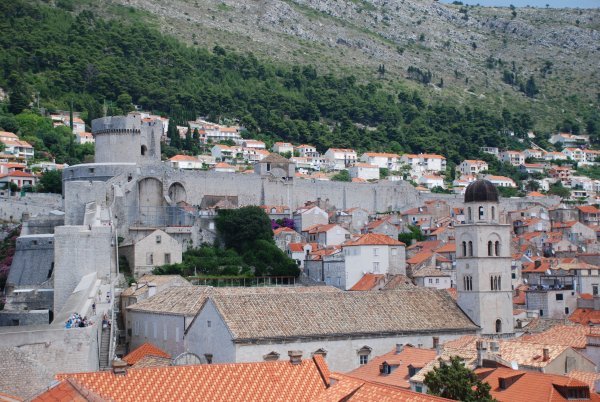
x=453 y=380
x=87 y=60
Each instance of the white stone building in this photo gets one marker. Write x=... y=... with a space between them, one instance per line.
x=430 y=181
x=424 y=163
x=154 y=250
x=373 y=253
x=347 y=328
x=340 y=158
x=515 y=158
x=382 y=160
x=283 y=147
x=306 y=217
x=364 y=171
x=185 y=162
x=472 y=167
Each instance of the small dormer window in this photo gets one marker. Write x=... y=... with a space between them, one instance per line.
x=158 y=239
x=385 y=368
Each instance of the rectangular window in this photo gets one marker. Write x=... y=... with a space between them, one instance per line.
x=149 y=259
x=595 y=290
x=566 y=310
x=394 y=251
x=158 y=239
x=437 y=280
x=167 y=258
x=430 y=280
x=559 y=296
x=375 y=251
x=375 y=267
x=419 y=388
x=363 y=359
x=208 y=323
x=513 y=275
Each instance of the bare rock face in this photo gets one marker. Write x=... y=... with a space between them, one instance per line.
x=453 y=42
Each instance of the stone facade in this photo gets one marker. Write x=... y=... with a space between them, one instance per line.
x=154 y=250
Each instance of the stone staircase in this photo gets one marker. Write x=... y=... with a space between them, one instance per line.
x=104 y=349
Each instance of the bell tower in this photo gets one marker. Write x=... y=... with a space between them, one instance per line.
x=483 y=262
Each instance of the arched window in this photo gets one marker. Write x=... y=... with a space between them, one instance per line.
x=470 y=249
x=480 y=213
x=499 y=282
x=493 y=213
x=144 y=149
x=498 y=326
x=491 y=283
x=470 y=215
x=464 y=248
x=468 y=282
x=490 y=246
x=497 y=248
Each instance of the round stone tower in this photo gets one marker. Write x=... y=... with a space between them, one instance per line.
x=127 y=139
x=483 y=262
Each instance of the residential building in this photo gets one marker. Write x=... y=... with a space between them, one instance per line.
x=156 y=249
x=84 y=138
x=185 y=162
x=430 y=277
x=225 y=152
x=490 y=150
x=353 y=219
x=18 y=178
x=329 y=234
x=283 y=236
x=373 y=253
x=277 y=212
x=340 y=158
x=224 y=167
x=364 y=171
x=369 y=324
x=575 y=154
x=569 y=140
x=483 y=262
x=299 y=251
x=588 y=214
x=532 y=168
x=14 y=146
x=424 y=163
x=253 y=155
x=383 y=226
x=591 y=156
x=308 y=216
x=555 y=156
x=78 y=124
x=533 y=153
x=514 y=158
x=431 y=181
x=253 y=144
x=283 y=148
x=307 y=151
x=501 y=181
x=382 y=160
x=472 y=167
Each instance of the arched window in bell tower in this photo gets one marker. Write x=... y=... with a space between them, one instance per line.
x=469 y=214
x=490 y=247
x=470 y=248
x=497 y=248
x=498 y=326
x=464 y=248
x=493 y=213
x=481 y=213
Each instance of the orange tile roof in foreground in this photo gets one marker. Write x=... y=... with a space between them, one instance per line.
x=146 y=349
x=585 y=316
x=367 y=282
x=530 y=386
x=399 y=362
x=264 y=381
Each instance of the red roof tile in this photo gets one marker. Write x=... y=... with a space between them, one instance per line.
x=147 y=349
x=263 y=381
x=374 y=239
x=585 y=316
x=368 y=282
x=420 y=257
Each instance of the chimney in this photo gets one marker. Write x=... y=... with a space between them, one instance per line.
x=399 y=348
x=119 y=367
x=537 y=263
x=546 y=353
x=494 y=347
x=295 y=356
x=481 y=351
x=151 y=290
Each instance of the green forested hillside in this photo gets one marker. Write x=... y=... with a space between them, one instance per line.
x=81 y=58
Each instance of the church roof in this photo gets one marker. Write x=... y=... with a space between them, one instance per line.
x=481 y=191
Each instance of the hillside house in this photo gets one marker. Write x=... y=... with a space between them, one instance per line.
x=16 y=147
x=382 y=160
x=185 y=162
x=283 y=147
x=472 y=167
x=364 y=171
x=514 y=158
x=340 y=158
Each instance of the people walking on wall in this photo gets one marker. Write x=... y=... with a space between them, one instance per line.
x=94 y=308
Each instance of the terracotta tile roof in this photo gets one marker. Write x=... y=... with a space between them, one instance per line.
x=374 y=239
x=263 y=381
x=381 y=155
x=142 y=283
x=152 y=361
x=429 y=271
x=420 y=257
x=376 y=223
x=527 y=386
x=453 y=292
x=585 y=316
x=426 y=245
x=535 y=194
x=409 y=356
x=398 y=281
x=67 y=390
x=284 y=229
x=332 y=314
x=569 y=335
x=523 y=353
x=588 y=209
x=344 y=150
x=17 y=173
x=365 y=165
x=587 y=377
x=350 y=389
x=321 y=228
x=177 y=158
x=358 y=180
x=296 y=247
x=368 y=282
x=146 y=349
x=449 y=247
x=188 y=300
